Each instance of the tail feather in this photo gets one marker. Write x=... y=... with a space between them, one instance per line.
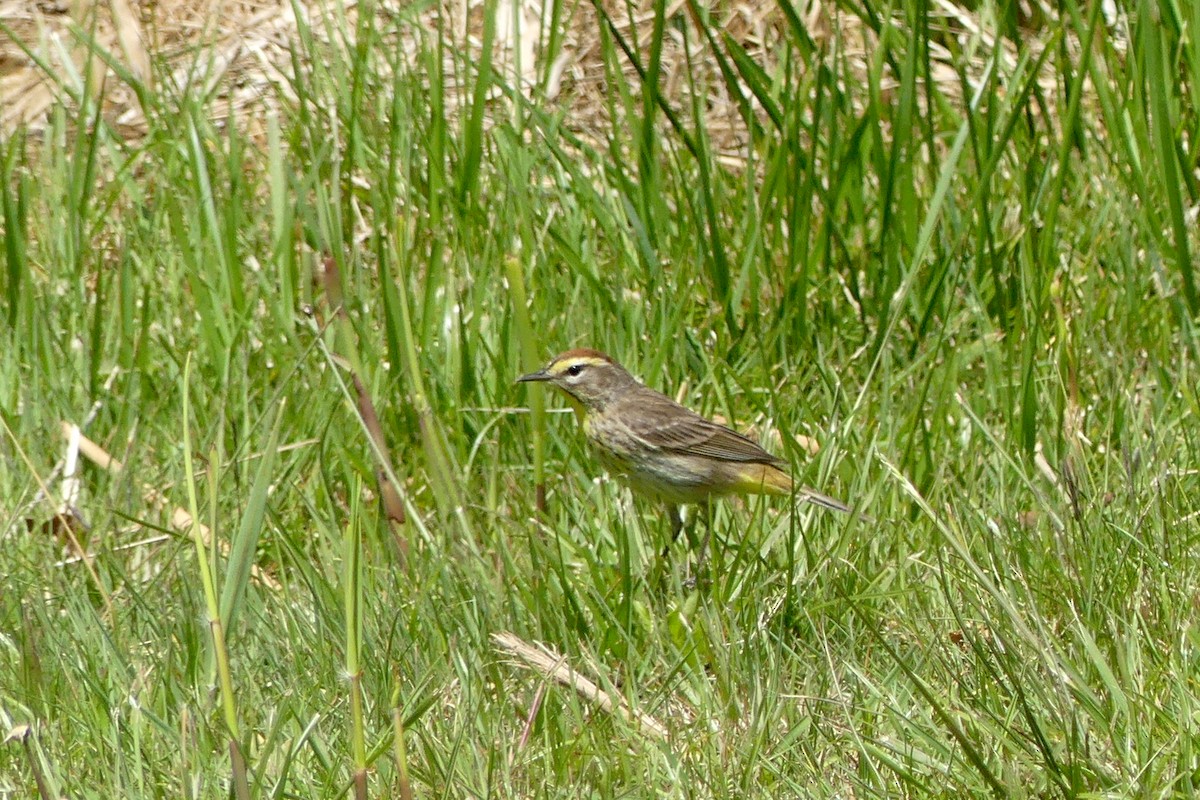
x=823 y=500
x=769 y=479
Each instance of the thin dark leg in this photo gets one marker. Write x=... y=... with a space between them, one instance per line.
x=708 y=526
x=676 y=528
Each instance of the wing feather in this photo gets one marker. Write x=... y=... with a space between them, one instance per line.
x=666 y=425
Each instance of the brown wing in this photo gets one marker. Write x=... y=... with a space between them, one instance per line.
x=666 y=425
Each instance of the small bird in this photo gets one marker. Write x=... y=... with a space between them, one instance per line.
x=657 y=447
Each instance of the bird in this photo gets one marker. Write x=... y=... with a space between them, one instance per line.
x=660 y=449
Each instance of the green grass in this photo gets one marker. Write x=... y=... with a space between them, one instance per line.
x=976 y=294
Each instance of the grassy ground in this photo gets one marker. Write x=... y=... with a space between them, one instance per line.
x=974 y=293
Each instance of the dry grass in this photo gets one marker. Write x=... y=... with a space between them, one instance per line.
x=240 y=52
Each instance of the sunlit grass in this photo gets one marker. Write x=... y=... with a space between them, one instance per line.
x=964 y=272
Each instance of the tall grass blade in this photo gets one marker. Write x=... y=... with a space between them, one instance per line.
x=245 y=543
x=208 y=583
x=1160 y=82
x=13 y=193
x=531 y=360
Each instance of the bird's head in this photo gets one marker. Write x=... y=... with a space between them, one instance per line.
x=587 y=376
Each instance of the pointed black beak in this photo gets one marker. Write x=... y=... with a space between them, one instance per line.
x=540 y=375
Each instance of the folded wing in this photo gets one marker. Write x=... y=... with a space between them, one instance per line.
x=687 y=433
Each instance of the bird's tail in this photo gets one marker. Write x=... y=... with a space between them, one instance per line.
x=763 y=479
x=769 y=479
x=823 y=500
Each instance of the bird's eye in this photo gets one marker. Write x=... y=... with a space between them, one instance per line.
x=574 y=369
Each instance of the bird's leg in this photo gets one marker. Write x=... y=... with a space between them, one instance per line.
x=676 y=515
x=708 y=526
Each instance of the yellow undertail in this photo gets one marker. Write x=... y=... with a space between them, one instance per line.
x=766 y=479
x=763 y=479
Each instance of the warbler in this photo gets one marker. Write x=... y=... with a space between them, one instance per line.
x=660 y=449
